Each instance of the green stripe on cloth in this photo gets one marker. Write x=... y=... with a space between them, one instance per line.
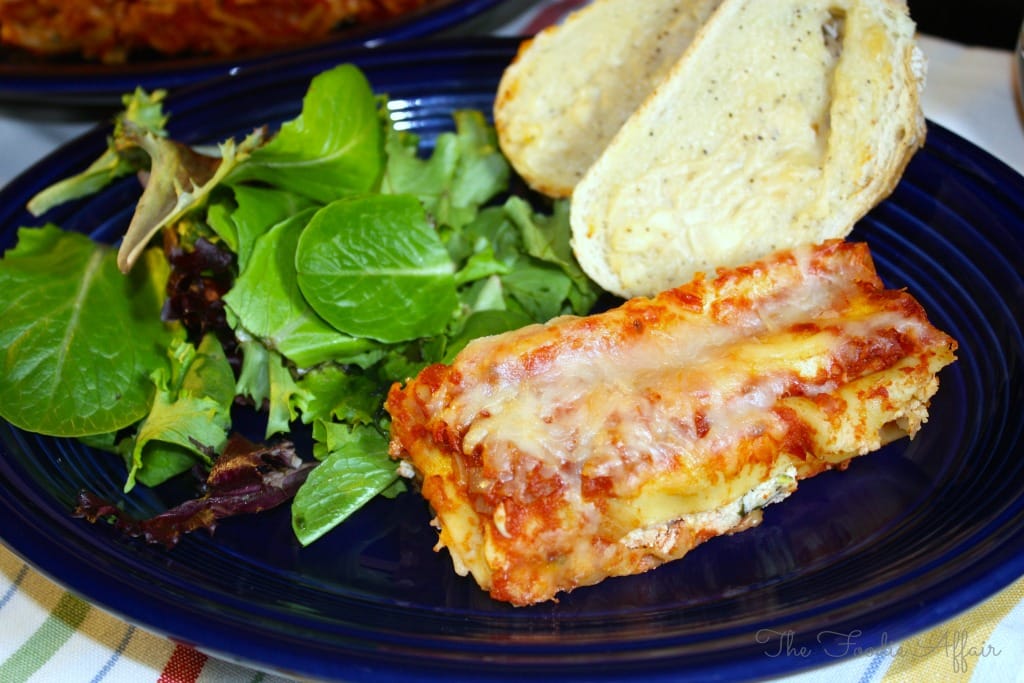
x=62 y=623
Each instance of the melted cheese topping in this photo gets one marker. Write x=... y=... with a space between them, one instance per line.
x=545 y=451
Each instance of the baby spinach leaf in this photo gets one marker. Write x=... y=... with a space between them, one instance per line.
x=355 y=469
x=373 y=266
x=79 y=339
x=266 y=302
x=257 y=209
x=332 y=149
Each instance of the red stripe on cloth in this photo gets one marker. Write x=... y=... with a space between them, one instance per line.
x=552 y=14
x=184 y=666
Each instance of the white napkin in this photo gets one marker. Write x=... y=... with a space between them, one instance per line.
x=972 y=91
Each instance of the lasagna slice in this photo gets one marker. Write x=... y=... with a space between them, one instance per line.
x=561 y=454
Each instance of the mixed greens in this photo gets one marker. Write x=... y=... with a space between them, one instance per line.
x=300 y=272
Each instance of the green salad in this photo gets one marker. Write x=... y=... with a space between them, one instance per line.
x=298 y=272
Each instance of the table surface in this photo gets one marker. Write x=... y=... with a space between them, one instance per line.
x=49 y=634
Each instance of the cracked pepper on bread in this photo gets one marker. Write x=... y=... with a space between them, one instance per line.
x=558 y=455
x=572 y=85
x=782 y=124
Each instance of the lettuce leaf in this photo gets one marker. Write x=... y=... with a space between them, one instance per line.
x=190 y=416
x=180 y=181
x=266 y=302
x=257 y=209
x=464 y=171
x=143 y=111
x=334 y=148
x=354 y=469
x=330 y=392
x=246 y=478
x=545 y=237
x=79 y=338
x=373 y=266
x=357 y=257
x=267 y=381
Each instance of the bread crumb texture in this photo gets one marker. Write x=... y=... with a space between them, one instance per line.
x=783 y=124
x=571 y=87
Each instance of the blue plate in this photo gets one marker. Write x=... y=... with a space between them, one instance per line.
x=904 y=539
x=26 y=78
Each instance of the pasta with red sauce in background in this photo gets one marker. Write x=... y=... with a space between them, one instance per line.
x=116 y=31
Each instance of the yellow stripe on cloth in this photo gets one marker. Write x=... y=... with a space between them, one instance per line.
x=10 y=564
x=951 y=651
x=148 y=649
x=104 y=647
x=35 y=585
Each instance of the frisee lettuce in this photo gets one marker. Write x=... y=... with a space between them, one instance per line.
x=190 y=416
x=359 y=259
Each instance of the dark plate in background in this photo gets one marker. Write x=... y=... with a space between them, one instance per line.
x=24 y=78
x=905 y=538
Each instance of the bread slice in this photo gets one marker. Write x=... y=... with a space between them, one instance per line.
x=782 y=125
x=570 y=88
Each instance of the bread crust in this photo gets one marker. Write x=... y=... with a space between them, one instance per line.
x=782 y=124
x=571 y=86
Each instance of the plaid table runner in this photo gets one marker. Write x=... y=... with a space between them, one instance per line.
x=48 y=634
